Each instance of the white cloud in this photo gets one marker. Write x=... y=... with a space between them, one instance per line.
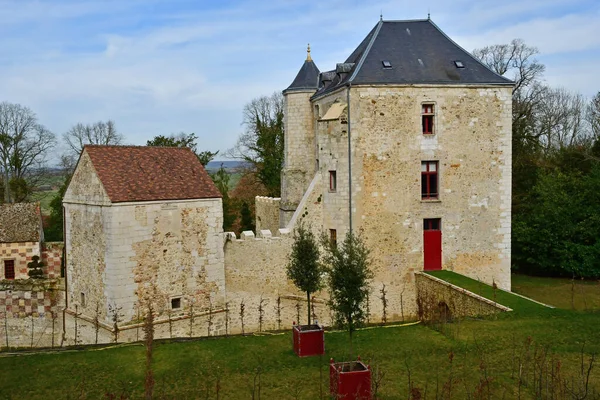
x=192 y=70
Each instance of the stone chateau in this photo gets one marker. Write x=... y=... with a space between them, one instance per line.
x=407 y=143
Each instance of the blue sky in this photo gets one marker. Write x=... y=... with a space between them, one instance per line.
x=161 y=67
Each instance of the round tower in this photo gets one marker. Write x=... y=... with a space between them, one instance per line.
x=299 y=142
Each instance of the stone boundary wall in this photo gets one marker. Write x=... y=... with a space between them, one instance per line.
x=255 y=276
x=81 y=329
x=267 y=213
x=436 y=297
x=31 y=313
x=52 y=253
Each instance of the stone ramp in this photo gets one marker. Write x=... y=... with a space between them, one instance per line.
x=479 y=290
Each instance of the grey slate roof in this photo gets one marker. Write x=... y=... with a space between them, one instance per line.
x=419 y=52
x=20 y=222
x=307 y=78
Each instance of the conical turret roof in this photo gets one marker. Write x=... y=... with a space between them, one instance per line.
x=308 y=76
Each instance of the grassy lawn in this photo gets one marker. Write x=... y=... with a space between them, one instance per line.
x=558 y=291
x=44 y=198
x=473 y=358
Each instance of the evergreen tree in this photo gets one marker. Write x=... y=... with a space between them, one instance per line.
x=304 y=268
x=247 y=221
x=35 y=268
x=349 y=276
x=221 y=180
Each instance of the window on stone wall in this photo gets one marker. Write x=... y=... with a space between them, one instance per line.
x=429 y=180
x=175 y=303
x=427 y=117
x=9 y=269
x=82 y=298
x=332 y=181
x=333 y=237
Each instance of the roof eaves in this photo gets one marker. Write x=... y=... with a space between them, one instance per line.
x=299 y=89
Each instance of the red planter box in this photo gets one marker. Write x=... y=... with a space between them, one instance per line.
x=308 y=340
x=350 y=380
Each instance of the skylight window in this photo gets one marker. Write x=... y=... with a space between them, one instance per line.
x=459 y=64
x=386 y=64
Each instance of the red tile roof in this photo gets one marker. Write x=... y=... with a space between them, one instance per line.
x=140 y=173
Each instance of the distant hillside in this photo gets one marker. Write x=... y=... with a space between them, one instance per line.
x=227 y=164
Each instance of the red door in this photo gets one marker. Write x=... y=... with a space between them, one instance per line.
x=432 y=244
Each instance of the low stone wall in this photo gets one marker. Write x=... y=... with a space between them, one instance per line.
x=31 y=313
x=81 y=329
x=267 y=214
x=438 y=299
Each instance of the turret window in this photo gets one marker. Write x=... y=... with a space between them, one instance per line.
x=332 y=181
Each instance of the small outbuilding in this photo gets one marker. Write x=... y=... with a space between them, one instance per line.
x=142 y=225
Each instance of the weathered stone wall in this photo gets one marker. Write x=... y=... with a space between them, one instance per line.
x=52 y=258
x=310 y=209
x=300 y=151
x=472 y=145
x=81 y=329
x=86 y=252
x=440 y=299
x=30 y=311
x=255 y=270
x=21 y=253
x=164 y=250
x=85 y=186
x=267 y=214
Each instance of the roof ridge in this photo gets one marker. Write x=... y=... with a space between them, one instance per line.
x=134 y=146
x=469 y=53
x=366 y=52
x=406 y=20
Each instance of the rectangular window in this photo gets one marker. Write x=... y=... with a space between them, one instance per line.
x=427 y=116
x=432 y=224
x=176 y=303
x=82 y=299
x=333 y=237
x=429 y=180
x=332 y=181
x=9 y=269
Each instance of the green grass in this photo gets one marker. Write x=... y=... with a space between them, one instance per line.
x=463 y=352
x=558 y=291
x=44 y=198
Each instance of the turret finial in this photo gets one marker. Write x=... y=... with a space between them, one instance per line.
x=308 y=57
x=381 y=15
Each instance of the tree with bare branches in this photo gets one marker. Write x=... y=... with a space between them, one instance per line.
x=103 y=133
x=24 y=144
x=593 y=115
